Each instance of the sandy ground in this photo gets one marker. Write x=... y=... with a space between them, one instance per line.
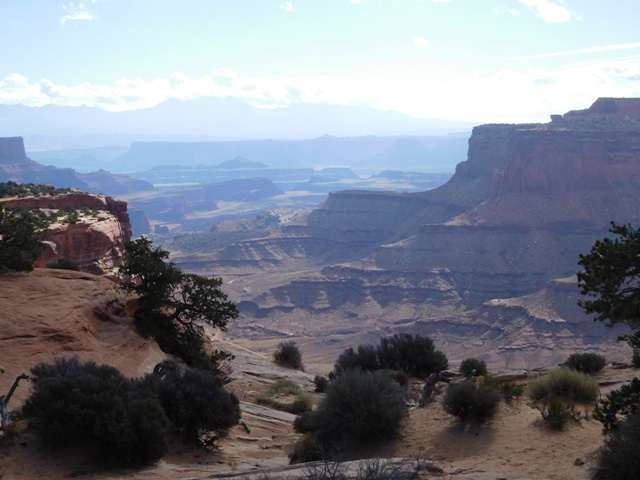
x=513 y=445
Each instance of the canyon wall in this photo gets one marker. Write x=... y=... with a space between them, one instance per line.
x=472 y=263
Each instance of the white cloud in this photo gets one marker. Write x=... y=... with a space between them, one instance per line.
x=76 y=12
x=357 y=2
x=549 y=11
x=604 y=48
x=505 y=96
x=506 y=10
x=287 y=7
x=420 y=41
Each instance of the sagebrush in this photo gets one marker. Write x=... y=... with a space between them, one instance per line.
x=126 y=422
x=412 y=354
x=288 y=354
x=586 y=362
x=359 y=408
x=468 y=400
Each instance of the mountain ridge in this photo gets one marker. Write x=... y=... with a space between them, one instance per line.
x=220 y=117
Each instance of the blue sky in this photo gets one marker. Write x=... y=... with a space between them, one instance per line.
x=476 y=60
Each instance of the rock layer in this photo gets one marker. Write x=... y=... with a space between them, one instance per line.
x=516 y=214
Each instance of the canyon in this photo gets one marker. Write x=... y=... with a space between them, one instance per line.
x=484 y=264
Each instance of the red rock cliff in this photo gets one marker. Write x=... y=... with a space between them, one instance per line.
x=95 y=241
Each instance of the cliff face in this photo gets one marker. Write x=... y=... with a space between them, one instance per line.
x=96 y=240
x=516 y=214
x=12 y=151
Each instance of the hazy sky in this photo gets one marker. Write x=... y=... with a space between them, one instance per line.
x=477 y=60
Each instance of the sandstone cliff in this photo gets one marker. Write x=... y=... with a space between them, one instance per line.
x=95 y=240
x=516 y=214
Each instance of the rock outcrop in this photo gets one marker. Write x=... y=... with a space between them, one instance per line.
x=516 y=214
x=50 y=313
x=95 y=240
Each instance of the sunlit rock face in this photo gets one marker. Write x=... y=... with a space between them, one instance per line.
x=96 y=240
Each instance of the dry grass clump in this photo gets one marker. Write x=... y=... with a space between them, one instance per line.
x=566 y=384
x=287 y=396
x=557 y=394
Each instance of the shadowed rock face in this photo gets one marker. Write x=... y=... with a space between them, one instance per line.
x=516 y=214
x=11 y=150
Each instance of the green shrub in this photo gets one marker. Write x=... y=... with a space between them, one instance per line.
x=619 y=459
x=64 y=264
x=364 y=358
x=307 y=448
x=186 y=344
x=302 y=402
x=360 y=408
x=470 y=400
x=566 y=384
x=321 y=383
x=305 y=422
x=585 y=362
x=195 y=401
x=622 y=402
x=22 y=231
x=473 y=366
x=414 y=355
x=288 y=355
x=555 y=412
x=96 y=406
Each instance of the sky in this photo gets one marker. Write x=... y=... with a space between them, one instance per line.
x=504 y=61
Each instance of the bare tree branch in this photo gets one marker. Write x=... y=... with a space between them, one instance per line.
x=4 y=400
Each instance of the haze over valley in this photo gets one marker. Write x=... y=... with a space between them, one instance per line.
x=353 y=172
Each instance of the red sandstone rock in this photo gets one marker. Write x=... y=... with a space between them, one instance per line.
x=95 y=241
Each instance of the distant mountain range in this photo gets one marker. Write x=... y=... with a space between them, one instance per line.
x=211 y=118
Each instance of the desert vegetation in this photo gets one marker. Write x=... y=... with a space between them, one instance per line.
x=13 y=189
x=288 y=354
x=173 y=304
x=412 y=354
x=63 y=264
x=22 y=232
x=360 y=408
x=473 y=366
x=470 y=400
x=287 y=396
x=609 y=283
x=586 y=362
x=558 y=393
x=121 y=421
